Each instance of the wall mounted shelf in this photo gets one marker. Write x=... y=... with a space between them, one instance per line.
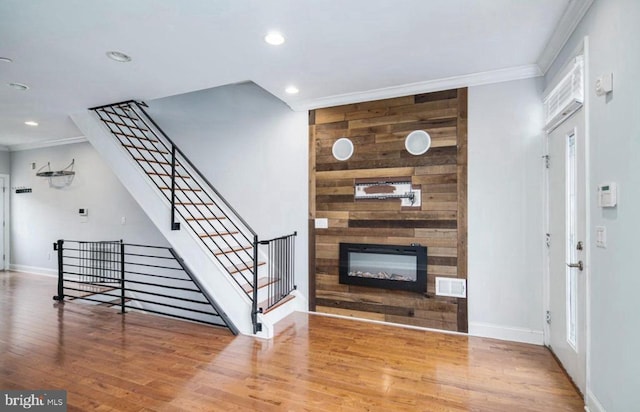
x=388 y=188
x=67 y=171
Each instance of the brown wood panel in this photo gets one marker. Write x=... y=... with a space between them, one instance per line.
x=462 y=202
x=371 y=223
x=352 y=313
x=310 y=267
x=368 y=307
x=378 y=130
x=414 y=215
x=435 y=96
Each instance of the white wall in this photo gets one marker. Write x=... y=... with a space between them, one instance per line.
x=40 y=218
x=505 y=210
x=614 y=121
x=254 y=150
x=5 y=163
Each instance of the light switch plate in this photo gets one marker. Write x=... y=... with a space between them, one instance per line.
x=601 y=236
x=322 y=223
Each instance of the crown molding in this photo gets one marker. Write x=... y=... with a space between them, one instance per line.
x=570 y=19
x=47 y=143
x=475 y=79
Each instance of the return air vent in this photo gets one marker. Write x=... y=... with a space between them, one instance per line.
x=456 y=288
x=566 y=97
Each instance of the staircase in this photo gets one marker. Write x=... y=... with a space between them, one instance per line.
x=251 y=279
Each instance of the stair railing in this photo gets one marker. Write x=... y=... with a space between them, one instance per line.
x=281 y=269
x=130 y=122
x=121 y=119
x=131 y=276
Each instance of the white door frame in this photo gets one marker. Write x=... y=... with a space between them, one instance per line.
x=583 y=48
x=6 y=195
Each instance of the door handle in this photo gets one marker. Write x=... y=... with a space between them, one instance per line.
x=578 y=265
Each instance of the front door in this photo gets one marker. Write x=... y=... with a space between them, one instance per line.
x=567 y=263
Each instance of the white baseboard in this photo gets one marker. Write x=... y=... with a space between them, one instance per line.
x=488 y=330
x=593 y=404
x=34 y=270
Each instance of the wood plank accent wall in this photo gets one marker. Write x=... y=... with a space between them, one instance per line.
x=377 y=130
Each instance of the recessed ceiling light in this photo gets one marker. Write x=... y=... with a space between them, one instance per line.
x=19 y=86
x=31 y=123
x=118 y=56
x=6 y=60
x=274 y=38
x=292 y=90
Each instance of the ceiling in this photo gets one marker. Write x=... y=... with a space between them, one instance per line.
x=336 y=51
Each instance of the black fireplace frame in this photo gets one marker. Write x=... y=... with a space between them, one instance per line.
x=420 y=252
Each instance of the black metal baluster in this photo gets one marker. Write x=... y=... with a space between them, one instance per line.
x=58 y=246
x=122 y=285
x=174 y=225
x=257 y=327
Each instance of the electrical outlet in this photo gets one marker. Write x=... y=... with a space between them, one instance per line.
x=123 y=220
x=48 y=256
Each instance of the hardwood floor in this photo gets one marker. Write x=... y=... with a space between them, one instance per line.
x=138 y=362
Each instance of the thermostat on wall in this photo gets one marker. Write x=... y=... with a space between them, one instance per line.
x=607 y=195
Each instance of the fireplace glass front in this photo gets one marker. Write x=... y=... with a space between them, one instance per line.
x=384 y=266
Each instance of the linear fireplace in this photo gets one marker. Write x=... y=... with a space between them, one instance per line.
x=384 y=266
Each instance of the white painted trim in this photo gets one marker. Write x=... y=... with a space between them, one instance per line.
x=592 y=403
x=546 y=258
x=47 y=143
x=582 y=48
x=6 y=230
x=475 y=79
x=34 y=270
x=570 y=19
x=488 y=330
x=588 y=211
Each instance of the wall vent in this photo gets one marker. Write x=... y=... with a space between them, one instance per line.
x=566 y=97
x=456 y=288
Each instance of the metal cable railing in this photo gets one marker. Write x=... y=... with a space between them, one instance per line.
x=151 y=279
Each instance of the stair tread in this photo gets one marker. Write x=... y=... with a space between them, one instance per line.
x=233 y=249
x=282 y=302
x=168 y=175
x=205 y=235
x=194 y=203
x=130 y=146
x=184 y=189
x=137 y=119
x=130 y=127
x=137 y=159
x=241 y=267
x=132 y=136
x=206 y=218
x=262 y=282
